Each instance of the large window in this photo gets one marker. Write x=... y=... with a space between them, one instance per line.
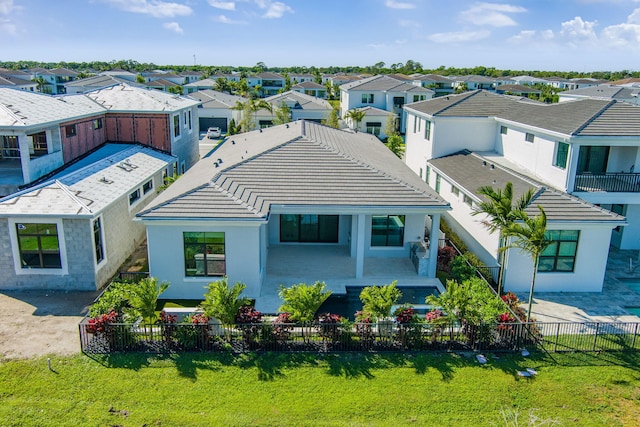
x=560 y=255
x=176 y=125
x=204 y=254
x=39 y=144
x=309 y=228
x=97 y=240
x=387 y=230
x=562 y=154
x=374 y=128
x=38 y=245
x=10 y=147
x=367 y=98
x=427 y=130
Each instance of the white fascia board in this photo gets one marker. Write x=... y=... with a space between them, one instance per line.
x=355 y=210
x=175 y=222
x=563 y=136
x=564 y=225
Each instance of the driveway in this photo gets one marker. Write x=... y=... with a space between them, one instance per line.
x=37 y=323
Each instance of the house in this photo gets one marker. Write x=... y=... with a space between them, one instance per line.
x=311 y=88
x=267 y=203
x=473 y=82
x=373 y=122
x=575 y=263
x=301 y=78
x=40 y=134
x=53 y=80
x=17 y=83
x=605 y=91
x=382 y=92
x=97 y=82
x=302 y=107
x=587 y=148
x=270 y=83
x=517 y=89
x=441 y=85
x=199 y=85
x=216 y=109
x=74 y=231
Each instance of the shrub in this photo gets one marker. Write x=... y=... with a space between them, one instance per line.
x=329 y=326
x=143 y=298
x=222 y=302
x=302 y=301
x=114 y=298
x=409 y=327
x=248 y=320
x=378 y=300
x=168 y=326
x=364 y=330
x=461 y=270
x=446 y=254
x=282 y=327
x=193 y=333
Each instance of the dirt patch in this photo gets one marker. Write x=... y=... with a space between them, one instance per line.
x=36 y=323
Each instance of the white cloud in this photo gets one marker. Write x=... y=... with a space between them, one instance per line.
x=155 y=8
x=626 y=34
x=393 y=4
x=377 y=46
x=276 y=10
x=492 y=14
x=173 y=26
x=459 y=36
x=578 y=29
x=7 y=26
x=225 y=5
x=225 y=20
x=530 y=36
x=6 y=7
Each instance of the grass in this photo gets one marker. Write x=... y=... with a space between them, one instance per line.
x=312 y=390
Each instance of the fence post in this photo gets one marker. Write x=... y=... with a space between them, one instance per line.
x=595 y=338
x=555 y=346
x=635 y=334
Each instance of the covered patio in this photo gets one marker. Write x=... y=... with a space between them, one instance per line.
x=332 y=264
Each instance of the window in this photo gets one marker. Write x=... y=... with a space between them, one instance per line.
x=560 y=255
x=10 y=147
x=265 y=123
x=204 y=254
x=427 y=129
x=309 y=228
x=134 y=196
x=367 y=98
x=70 y=130
x=147 y=186
x=185 y=119
x=438 y=179
x=529 y=137
x=417 y=98
x=97 y=124
x=398 y=101
x=415 y=123
x=427 y=173
x=387 y=230
x=468 y=200
x=97 y=240
x=39 y=144
x=38 y=245
x=374 y=128
x=455 y=190
x=562 y=154
x=176 y=125
x=503 y=130
x=189 y=113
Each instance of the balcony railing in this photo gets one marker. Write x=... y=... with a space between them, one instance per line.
x=612 y=182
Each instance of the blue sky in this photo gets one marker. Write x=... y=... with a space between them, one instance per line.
x=578 y=35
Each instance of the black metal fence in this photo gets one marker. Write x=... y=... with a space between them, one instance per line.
x=368 y=337
x=612 y=182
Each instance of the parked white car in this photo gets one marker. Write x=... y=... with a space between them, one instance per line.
x=214 y=132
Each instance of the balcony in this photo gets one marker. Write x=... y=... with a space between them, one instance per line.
x=609 y=182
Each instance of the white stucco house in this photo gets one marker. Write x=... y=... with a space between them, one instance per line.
x=302 y=106
x=373 y=121
x=587 y=148
x=73 y=231
x=217 y=109
x=268 y=205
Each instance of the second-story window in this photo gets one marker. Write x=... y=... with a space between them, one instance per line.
x=503 y=130
x=176 y=125
x=70 y=130
x=367 y=98
x=562 y=154
x=97 y=124
x=427 y=129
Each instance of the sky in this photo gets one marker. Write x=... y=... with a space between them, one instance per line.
x=554 y=35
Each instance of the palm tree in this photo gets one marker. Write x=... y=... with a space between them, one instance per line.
x=501 y=212
x=249 y=109
x=531 y=237
x=356 y=116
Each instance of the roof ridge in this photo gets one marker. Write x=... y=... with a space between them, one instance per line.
x=462 y=97
x=12 y=114
x=594 y=116
x=228 y=194
x=73 y=197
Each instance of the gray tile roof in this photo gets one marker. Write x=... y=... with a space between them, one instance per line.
x=384 y=83
x=592 y=117
x=471 y=171
x=309 y=85
x=214 y=99
x=604 y=91
x=302 y=163
x=301 y=100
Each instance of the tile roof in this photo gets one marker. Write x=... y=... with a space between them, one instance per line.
x=471 y=171
x=309 y=85
x=100 y=81
x=604 y=91
x=87 y=190
x=214 y=99
x=301 y=100
x=384 y=83
x=301 y=163
x=578 y=117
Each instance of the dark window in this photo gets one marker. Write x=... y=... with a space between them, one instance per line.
x=367 y=98
x=204 y=254
x=70 y=130
x=39 y=246
x=374 y=128
x=468 y=200
x=189 y=113
x=455 y=190
x=176 y=125
x=438 y=179
x=427 y=129
x=560 y=255
x=309 y=228
x=39 y=144
x=529 y=137
x=97 y=124
x=387 y=230
x=147 y=186
x=265 y=123
x=593 y=159
x=134 y=196
x=562 y=154
x=503 y=130
x=97 y=240
x=10 y=147
x=398 y=101
x=427 y=174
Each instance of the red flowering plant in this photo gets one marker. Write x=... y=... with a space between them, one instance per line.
x=437 y=320
x=282 y=327
x=98 y=325
x=193 y=333
x=513 y=302
x=168 y=325
x=364 y=329
x=248 y=320
x=409 y=327
x=329 y=326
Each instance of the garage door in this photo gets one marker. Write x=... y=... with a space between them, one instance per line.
x=209 y=122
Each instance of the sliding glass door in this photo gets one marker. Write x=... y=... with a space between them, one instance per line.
x=309 y=228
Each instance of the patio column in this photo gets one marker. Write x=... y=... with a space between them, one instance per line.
x=360 y=247
x=434 y=237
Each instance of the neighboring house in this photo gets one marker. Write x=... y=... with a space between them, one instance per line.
x=588 y=148
x=74 y=231
x=517 y=89
x=161 y=84
x=97 y=82
x=271 y=83
x=301 y=78
x=382 y=92
x=303 y=107
x=373 y=122
x=200 y=85
x=17 y=83
x=528 y=80
x=311 y=88
x=607 y=91
x=575 y=263
x=164 y=77
x=216 y=109
x=306 y=189
x=54 y=79
x=120 y=74
x=473 y=82
x=191 y=76
x=441 y=85
x=39 y=133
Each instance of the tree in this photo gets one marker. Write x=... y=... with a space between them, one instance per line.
x=378 y=300
x=531 y=237
x=143 y=299
x=395 y=144
x=222 y=302
x=391 y=125
x=501 y=212
x=462 y=87
x=332 y=119
x=302 y=301
x=356 y=116
x=223 y=85
x=140 y=79
x=282 y=114
x=175 y=89
x=41 y=84
x=249 y=108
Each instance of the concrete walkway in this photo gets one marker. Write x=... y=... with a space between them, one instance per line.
x=606 y=306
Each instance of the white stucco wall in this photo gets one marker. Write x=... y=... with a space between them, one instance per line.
x=166 y=256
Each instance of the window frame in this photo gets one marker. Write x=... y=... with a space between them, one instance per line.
x=22 y=238
x=320 y=223
x=176 y=125
x=98 y=240
x=427 y=130
x=8 y=150
x=368 y=98
x=40 y=145
x=373 y=128
x=217 y=260
x=556 y=158
x=388 y=231
x=147 y=186
x=70 y=131
x=134 y=196
x=97 y=123
x=503 y=130
x=556 y=247
x=529 y=137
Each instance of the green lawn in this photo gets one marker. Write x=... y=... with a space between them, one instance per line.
x=310 y=390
